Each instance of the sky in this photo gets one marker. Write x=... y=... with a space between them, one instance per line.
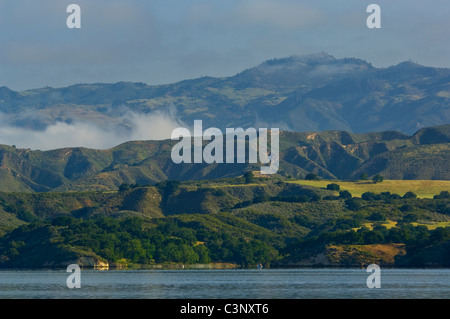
x=165 y=41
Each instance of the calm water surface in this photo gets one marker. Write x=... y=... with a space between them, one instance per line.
x=227 y=284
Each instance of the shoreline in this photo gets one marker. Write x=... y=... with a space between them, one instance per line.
x=215 y=266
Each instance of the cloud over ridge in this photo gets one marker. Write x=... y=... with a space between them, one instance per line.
x=156 y=125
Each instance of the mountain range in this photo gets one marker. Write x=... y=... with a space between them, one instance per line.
x=299 y=93
x=329 y=154
x=338 y=118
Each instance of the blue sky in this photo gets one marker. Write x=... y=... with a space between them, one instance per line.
x=159 y=42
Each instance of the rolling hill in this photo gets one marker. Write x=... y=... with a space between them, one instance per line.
x=329 y=154
x=277 y=223
x=338 y=118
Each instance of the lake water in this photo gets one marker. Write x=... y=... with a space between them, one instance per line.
x=226 y=284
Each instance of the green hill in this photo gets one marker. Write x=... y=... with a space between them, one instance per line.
x=273 y=222
x=329 y=154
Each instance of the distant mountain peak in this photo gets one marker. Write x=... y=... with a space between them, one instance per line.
x=408 y=64
x=296 y=93
x=7 y=94
x=5 y=89
x=310 y=59
x=314 y=58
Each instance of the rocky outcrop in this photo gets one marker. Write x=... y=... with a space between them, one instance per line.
x=348 y=256
x=90 y=262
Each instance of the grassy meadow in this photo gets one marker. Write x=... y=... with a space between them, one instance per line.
x=431 y=225
x=422 y=188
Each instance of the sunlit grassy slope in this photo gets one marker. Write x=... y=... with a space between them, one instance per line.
x=422 y=188
x=390 y=224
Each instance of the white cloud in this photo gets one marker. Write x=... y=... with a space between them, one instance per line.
x=153 y=126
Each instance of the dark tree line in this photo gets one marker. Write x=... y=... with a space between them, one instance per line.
x=132 y=240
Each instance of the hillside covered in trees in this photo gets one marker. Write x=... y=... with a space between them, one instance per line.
x=330 y=155
x=238 y=222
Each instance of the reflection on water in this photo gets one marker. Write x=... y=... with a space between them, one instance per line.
x=227 y=284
